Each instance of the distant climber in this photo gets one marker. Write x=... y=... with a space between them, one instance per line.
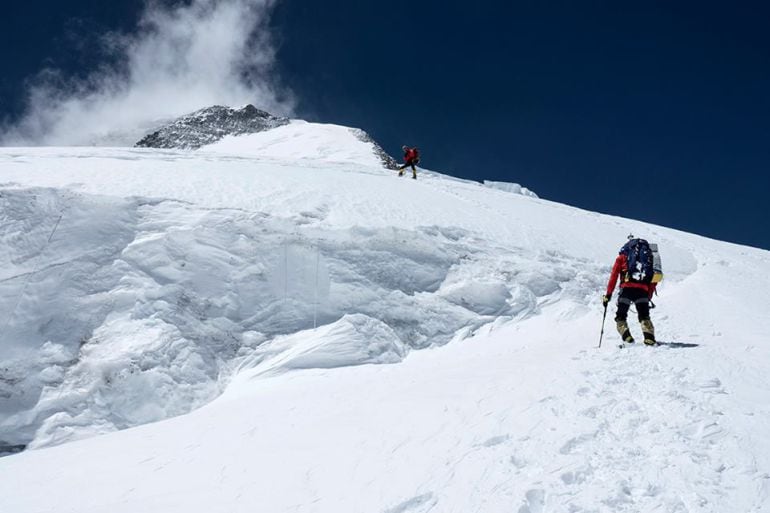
x=411 y=158
x=638 y=268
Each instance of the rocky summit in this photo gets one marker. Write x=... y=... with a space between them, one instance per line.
x=209 y=125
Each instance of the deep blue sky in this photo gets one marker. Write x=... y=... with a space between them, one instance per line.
x=647 y=110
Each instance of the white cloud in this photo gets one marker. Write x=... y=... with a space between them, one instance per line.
x=178 y=60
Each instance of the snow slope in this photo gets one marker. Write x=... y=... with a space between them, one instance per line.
x=143 y=285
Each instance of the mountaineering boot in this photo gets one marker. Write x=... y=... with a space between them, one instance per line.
x=625 y=333
x=401 y=173
x=649 y=332
x=414 y=175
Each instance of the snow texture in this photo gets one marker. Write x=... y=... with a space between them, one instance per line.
x=284 y=324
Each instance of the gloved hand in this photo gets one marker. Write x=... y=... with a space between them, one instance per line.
x=606 y=299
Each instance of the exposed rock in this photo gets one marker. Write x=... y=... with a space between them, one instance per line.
x=387 y=161
x=209 y=125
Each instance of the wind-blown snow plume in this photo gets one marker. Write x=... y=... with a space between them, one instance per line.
x=179 y=59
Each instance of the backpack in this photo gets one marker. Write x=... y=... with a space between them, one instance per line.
x=657 y=265
x=641 y=259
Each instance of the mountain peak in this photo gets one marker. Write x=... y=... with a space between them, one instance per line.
x=209 y=125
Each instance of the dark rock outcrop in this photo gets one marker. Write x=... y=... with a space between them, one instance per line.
x=387 y=161
x=207 y=126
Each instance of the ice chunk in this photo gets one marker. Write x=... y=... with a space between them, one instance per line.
x=353 y=340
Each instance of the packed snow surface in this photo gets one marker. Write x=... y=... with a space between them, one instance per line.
x=286 y=326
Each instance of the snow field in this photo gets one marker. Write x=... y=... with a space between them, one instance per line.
x=252 y=286
x=516 y=418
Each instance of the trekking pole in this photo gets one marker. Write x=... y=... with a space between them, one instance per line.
x=602 y=333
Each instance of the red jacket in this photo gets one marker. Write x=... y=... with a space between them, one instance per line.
x=410 y=154
x=618 y=271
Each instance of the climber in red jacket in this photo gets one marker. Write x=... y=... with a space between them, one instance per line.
x=635 y=288
x=411 y=158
